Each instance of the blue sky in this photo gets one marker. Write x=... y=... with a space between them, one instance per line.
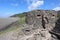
x=11 y=7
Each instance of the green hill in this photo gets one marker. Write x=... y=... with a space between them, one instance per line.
x=19 y=15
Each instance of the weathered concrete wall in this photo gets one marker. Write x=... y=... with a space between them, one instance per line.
x=34 y=18
x=40 y=18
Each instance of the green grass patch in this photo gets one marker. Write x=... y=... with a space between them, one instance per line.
x=22 y=20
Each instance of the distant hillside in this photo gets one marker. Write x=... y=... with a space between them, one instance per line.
x=19 y=15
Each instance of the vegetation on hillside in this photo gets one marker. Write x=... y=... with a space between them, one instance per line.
x=59 y=14
x=19 y=15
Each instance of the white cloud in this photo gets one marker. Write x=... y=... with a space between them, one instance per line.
x=56 y=8
x=34 y=4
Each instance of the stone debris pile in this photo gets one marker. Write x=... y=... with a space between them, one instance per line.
x=27 y=33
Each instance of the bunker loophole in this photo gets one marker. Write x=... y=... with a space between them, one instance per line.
x=38 y=15
x=53 y=15
x=27 y=30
